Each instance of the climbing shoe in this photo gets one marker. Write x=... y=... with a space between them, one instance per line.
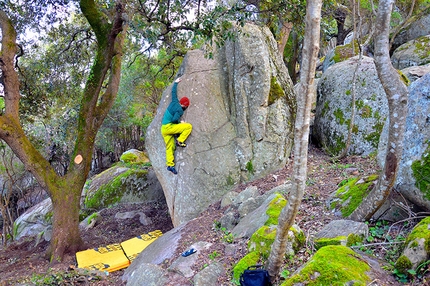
x=181 y=144
x=172 y=169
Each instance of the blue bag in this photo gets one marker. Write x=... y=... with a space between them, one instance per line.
x=255 y=276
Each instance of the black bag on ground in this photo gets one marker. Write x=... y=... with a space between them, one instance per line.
x=255 y=276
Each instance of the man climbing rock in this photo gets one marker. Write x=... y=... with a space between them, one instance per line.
x=172 y=126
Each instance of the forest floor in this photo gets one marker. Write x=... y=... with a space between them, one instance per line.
x=25 y=264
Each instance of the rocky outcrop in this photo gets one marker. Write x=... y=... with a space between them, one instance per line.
x=160 y=264
x=412 y=179
x=241 y=109
x=412 y=53
x=333 y=110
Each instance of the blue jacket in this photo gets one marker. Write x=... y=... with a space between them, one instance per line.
x=174 y=111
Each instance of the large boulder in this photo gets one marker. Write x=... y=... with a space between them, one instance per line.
x=121 y=184
x=242 y=105
x=412 y=179
x=333 y=109
x=415 y=30
x=35 y=222
x=412 y=53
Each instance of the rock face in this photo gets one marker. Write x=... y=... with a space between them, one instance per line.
x=241 y=109
x=412 y=53
x=333 y=110
x=413 y=176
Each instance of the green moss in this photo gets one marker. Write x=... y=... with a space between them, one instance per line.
x=344 y=52
x=422 y=47
x=366 y=111
x=248 y=260
x=373 y=137
x=276 y=91
x=326 y=108
x=352 y=193
x=274 y=209
x=230 y=180
x=348 y=92
x=338 y=146
x=112 y=192
x=355 y=129
x=261 y=240
x=404 y=78
x=321 y=242
x=420 y=231
x=359 y=104
x=250 y=167
x=339 y=116
x=128 y=158
x=48 y=216
x=403 y=264
x=354 y=239
x=332 y=263
x=421 y=173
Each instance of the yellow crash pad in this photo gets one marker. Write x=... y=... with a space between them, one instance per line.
x=115 y=256
x=134 y=246
x=106 y=258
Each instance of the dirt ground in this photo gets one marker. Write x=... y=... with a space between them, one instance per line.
x=25 y=263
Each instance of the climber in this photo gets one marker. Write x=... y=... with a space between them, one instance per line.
x=172 y=126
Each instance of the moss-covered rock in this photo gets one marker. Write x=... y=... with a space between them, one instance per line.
x=121 y=184
x=321 y=242
x=260 y=243
x=421 y=173
x=332 y=264
x=417 y=248
x=412 y=53
x=248 y=260
x=276 y=90
x=274 y=209
x=349 y=196
x=333 y=115
x=403 y=264
x=134 y=156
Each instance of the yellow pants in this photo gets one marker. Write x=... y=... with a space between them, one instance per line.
x=169 y=131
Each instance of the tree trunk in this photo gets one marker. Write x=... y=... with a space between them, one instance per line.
x=65 y=191
x=283 y=37
x=397 y=95
x=66 y=237
x=301 y=136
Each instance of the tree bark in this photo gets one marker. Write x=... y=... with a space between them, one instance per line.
x=65 y=191
x=397 y=95
x=301 y=137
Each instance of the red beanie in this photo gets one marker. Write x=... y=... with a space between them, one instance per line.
x=184 y=101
